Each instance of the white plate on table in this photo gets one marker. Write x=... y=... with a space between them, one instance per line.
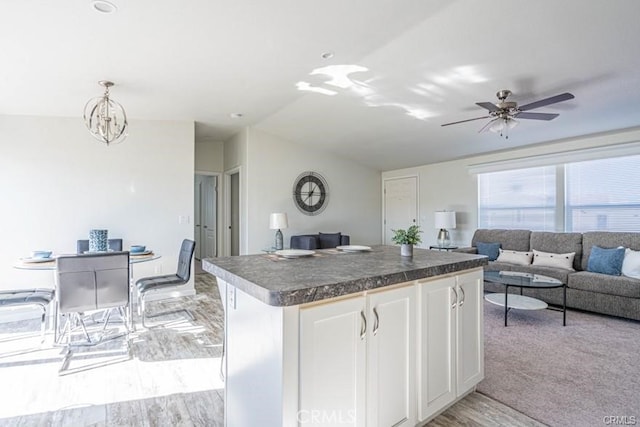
x=294 y=253
x=147 y=252
x=30 y=260
x=353 y=248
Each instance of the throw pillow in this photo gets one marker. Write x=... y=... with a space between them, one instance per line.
x=631 y=263
x=515 y=257
x=606 y=261
x=548 y=259
x=489 y=249
x=330 y=240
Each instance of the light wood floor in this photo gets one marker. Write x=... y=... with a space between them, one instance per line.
x=171 y=380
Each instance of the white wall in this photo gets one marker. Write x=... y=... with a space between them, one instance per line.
x=273 y=164
x=450 y=186
x=57 y=183
x=209 y=156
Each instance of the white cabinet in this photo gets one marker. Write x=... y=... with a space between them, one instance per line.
x=357 y=361
x=333 y=364
x=451 y=355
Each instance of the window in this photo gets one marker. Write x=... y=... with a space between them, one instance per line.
x=523 y=198
x=603 y=195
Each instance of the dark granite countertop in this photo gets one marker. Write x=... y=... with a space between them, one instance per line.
x=330 y=273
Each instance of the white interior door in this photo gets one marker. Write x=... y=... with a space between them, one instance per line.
x=400 y=205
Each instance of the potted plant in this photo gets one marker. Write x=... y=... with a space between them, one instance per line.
x=406 y=239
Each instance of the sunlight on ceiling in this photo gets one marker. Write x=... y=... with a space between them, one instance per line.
x=372 y=90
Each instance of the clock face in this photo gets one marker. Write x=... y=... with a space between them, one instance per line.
x=310 y=193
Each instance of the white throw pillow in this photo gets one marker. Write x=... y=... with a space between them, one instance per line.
x=515 y=257
x=548 y=259
x=631 y=264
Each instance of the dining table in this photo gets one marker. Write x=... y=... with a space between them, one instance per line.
x=50 y=264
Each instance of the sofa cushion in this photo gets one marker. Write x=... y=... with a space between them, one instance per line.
x=606 y=261
x=548 y=259
x=559 y=243
x=607 y=239
x=330 y=240
x=490 y=250
x=515 y=257
x=631 y=263
x=605 y=284
x=515 y=240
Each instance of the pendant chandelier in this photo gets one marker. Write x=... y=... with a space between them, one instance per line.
x=106 y=118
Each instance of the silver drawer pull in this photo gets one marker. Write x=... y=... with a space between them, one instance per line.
x=455 y=301
x=376 y=324
x=463 y=297
x=363 y=329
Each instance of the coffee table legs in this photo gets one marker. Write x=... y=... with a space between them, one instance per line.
x=506 y=304
x=564 y=304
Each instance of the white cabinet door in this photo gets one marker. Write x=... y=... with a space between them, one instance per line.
x=470 y=345
x=437 y=348
x=391 y=352
x=333 y=364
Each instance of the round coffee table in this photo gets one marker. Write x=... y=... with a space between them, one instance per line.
x=521 y=302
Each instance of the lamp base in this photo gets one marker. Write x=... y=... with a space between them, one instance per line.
x=443 y=238
x=279 y=240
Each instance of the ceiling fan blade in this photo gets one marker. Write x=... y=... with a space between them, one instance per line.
x=536 y=116
x=488 y=105
x=463 y=121
x=486 y=126
x=547 y=101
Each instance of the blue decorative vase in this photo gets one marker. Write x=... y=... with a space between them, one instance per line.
x=98 y=240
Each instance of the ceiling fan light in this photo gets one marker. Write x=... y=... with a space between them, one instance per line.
x=497 y=126
x=511 y=123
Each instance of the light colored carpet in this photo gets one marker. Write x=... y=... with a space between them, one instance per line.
x=563 y=376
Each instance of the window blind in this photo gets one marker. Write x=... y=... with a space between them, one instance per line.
x=518 y=199
x=603 y=195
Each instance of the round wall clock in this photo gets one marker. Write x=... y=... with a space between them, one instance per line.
x=310 y=193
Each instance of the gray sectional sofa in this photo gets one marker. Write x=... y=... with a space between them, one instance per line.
x=601 y=293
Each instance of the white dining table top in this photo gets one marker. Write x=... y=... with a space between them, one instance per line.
x=51 y=265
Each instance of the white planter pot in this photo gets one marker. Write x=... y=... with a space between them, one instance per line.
x=406 y=250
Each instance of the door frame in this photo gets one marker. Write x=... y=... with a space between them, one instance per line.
x=218 y=200
x=227 y=209
x=384 y=201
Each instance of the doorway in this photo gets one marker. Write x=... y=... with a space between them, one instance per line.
x=400 y=205
x=232 y=212
x=206 y=216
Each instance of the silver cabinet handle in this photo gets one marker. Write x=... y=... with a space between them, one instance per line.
x=455 y=302
x=363 y=329
x=463 y=297
x=376 y=324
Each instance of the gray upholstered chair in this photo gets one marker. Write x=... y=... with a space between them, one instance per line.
x=153 y=284
x=38 y=297
x=86 y=283
x=82 y=246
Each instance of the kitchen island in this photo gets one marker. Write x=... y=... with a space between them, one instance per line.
x=359 y=338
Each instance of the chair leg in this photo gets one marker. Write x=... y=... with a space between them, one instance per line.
x=164 y=313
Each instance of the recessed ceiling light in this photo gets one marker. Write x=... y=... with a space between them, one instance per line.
x=236 y=115
x=104 y=6
x=327 y=55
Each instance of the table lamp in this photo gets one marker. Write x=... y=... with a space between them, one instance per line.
x=445 y=220
x=278 y=221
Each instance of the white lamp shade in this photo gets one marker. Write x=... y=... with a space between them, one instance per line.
x=278 y=221
x=445 y=219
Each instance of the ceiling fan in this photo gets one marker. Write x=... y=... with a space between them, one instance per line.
x=504 y=113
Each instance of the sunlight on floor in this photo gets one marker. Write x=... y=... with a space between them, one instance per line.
x=23 y=376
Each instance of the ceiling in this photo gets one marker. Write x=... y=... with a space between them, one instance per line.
x=421 y=63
